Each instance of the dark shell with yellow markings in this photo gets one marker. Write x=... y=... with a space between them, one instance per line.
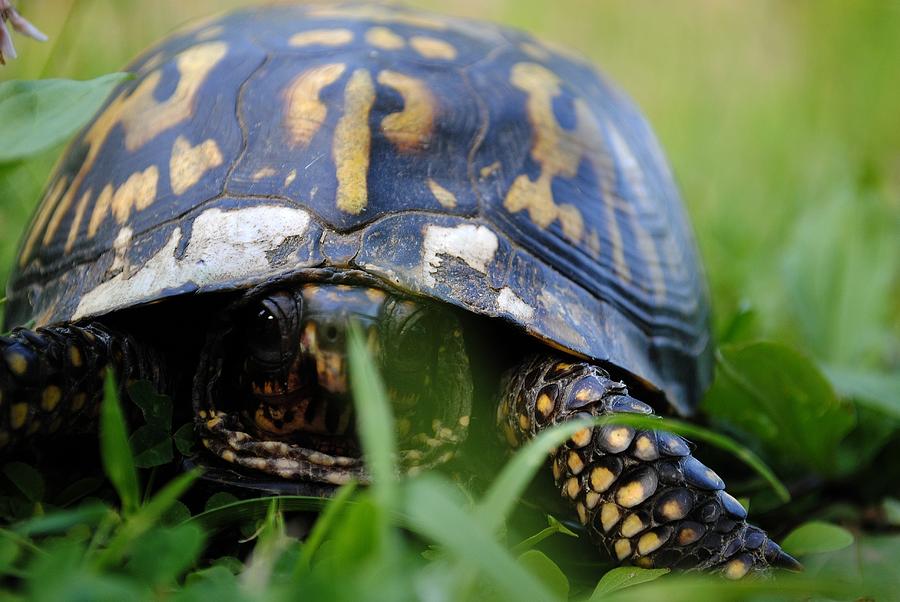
x=452 y=159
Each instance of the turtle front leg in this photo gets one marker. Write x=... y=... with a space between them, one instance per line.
x=640 y=493
x=51 y=377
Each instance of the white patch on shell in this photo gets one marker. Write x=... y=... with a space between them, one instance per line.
x=475 y=245
x=120 y=248
x=512 y=304
x=224 y=246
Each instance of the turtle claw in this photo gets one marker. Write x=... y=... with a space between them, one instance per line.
x=780 y=559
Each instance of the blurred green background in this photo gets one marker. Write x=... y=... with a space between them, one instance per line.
x=780 y=120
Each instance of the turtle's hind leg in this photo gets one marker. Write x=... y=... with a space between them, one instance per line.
x=53 y=377
x=640 y=493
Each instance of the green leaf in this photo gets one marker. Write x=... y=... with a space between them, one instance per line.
x=554 y=527
x=26 y=479
x=539 y=564
x=163 y=554
x=622 y=577
x=220 y=499
x=152 y=446
x=177 y=513
x=61 y=521
x=77 y=490
x=878 y=391
x=780 y=398
x=186 y=438
x=892 y=511
x=324 y=523
x=375 y=421
x=156 y=408
x=36 y=115
x=816 y=537
x=253 y=509
x=118 y=462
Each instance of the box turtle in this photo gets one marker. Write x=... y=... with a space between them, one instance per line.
x=487 y=207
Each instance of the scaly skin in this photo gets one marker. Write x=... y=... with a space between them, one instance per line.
x=51 y=379
x=640 y=494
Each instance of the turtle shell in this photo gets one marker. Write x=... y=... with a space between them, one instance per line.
x=452 y=159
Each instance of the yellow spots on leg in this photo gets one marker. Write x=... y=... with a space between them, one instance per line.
x=591 y=499
x=582 y=436
x=575 y=463
x=510 y=435
x=4 y=439
x=44 y=213
x=632 y=494
x=572 y=487
x=623 y=549
x=433 y=48
x=444 y=197
x=544 y=405
x=384 y=38
x=644 y=562
x=409 y=130
x=652 y=541
x=189 y=163
x=321 y=37
x=228 y=456
x=352 y=142
x=18 y=414
x=524 y=422
x=633 y=524
x=17 y=363
x=557 y=470
x=80 y=210
x=601 y=478
x=558 y=151
x=672 y=510
x=582 y=513
x=609 y=516
x=50 y=398
x=304 y=113
x=738 y=567
x=78 y=401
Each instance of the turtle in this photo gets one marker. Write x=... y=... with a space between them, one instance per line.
x=493 y=214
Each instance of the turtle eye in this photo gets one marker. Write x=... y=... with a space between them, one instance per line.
x=272 y=331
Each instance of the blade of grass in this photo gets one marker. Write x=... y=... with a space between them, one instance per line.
x=229 y=514
x=118 y=461
x=323 y=525
x=432 y=511
x=144 y=518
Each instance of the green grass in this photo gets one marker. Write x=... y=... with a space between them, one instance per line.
x=780 y=122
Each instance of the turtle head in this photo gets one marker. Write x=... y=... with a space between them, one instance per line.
x=283 y=372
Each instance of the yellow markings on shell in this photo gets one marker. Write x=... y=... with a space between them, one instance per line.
x=649 y=542
x=601 y=478
x=609 y=516
x=572 y=487
x=352 y=142
x=409 y=130
x=376 y=14
x=444 y=197
x=17 y=363
x=632 y=494
x=44 y=214
x=80 y=210
x=210 y=32
x=575 y=463
x=384 y=38
x=489 y=170
x=433 y=48
x=50 y=398
x=632 y=525
x=591 y=499
x=188 y=163
x=101 y=209
x=321 y=37
x=289 y=179
x=18 y=413
x=137 y=192
x=143 y=117
x=262 y=173
x=558 y=151
x=304 y=112
x=623 y=549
